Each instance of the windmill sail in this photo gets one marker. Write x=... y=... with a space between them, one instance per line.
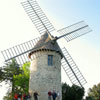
x=19 y=52
x=71 y=69
x=37 y=16
x=76 y=30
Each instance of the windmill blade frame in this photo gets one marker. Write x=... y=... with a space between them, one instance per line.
x=71 y=69
x=19 y=52
x=74 y=31
x=37 y=16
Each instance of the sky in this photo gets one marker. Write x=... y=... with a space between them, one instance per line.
x=16 y=28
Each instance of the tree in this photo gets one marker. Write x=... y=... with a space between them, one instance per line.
x=20 y=82
x=7 y=73
x=1 y=75
x=94 y=93
x=72 y=93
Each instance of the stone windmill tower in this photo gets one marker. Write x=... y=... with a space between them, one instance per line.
x=45 y=70
x=45 y=54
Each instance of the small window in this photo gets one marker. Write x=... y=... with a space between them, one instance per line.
x=50 y=60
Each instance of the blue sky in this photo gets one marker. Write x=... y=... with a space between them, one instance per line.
x=71 y=11
x=67 y=12
x=16 y=27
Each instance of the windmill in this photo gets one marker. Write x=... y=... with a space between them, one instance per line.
x=47 y=44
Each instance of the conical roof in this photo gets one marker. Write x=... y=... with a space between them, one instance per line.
x=48 y=45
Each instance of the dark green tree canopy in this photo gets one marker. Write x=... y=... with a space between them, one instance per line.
x=9 y=70
x=72 y=92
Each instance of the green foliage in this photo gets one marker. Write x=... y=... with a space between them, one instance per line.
x=17 y=76
x=94 y=93
x=1 y=75
x=72 y=93
x=89 y=98
x=21 y=81
x=8 y=71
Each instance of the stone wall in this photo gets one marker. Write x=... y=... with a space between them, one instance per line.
x=44 y=78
